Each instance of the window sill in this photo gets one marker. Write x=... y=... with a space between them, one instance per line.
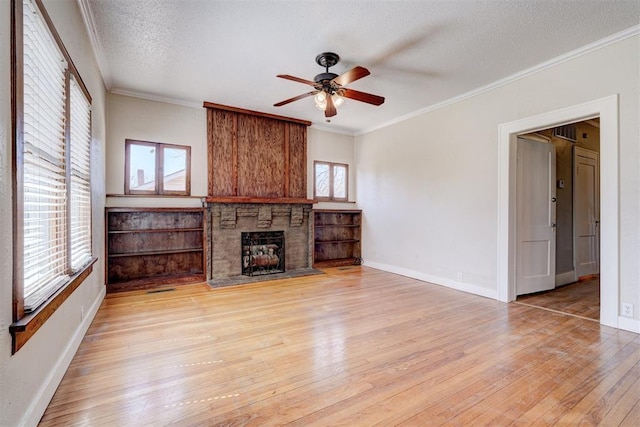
x=184 y=196
x=25 y=328
x=332 y=201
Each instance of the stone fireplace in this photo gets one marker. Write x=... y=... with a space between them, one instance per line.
x=229 y=222
x=257 y=182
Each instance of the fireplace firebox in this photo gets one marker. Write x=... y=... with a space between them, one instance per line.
x=262 y=253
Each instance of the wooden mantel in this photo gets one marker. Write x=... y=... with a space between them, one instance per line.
x=264 y=200
x=255 y=157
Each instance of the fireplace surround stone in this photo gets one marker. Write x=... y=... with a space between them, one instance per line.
x=227 y=221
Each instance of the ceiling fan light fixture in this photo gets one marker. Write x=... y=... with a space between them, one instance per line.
x=320 y=100
x=329 y=84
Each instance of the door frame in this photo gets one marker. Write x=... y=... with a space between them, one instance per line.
x=607 y=110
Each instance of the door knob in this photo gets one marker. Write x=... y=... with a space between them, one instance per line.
x=553 y=200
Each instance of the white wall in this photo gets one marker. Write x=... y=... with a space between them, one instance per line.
x=29 y=378
x=330 y=147
x=145 y=120
x=428 y=185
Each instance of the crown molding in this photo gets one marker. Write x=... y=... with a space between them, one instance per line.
x=584 y=50
x=98 y=52
x=149 y=97
x=325 y=128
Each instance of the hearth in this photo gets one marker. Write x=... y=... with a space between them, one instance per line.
x=263 y=253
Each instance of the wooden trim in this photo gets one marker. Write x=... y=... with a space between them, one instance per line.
x=23 y=329
x=331 y=197
x=209 y=151
x=159 y=181
x=287 y=165
x=304 y=162
x=240 y=199
x=17 y=161
x=70 y=65
x=126 y=209
x=338 y=211
x=235 y=162
x=154 y=196
x=157 y=283
x=255 y=113
x=159 y=169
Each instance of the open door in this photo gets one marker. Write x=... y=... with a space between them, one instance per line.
x=536 y=217
x=586 y=205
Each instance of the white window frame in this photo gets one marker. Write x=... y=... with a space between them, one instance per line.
x=331 y=197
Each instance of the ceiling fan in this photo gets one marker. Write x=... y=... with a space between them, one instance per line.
x=329 y=87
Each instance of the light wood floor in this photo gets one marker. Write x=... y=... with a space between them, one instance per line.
x=580 y=299
x=355 y=347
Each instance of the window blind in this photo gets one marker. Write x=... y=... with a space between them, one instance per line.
x=44 y=169
x=80 y=194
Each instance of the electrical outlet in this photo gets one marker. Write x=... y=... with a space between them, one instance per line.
x=627 y=309
x=460 y=277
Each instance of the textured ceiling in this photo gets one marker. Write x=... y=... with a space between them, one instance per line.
x=420 y=53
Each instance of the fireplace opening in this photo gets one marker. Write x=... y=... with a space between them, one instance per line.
x=262 y=253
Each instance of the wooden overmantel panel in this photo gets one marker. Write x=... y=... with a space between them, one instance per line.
x=221 y=145
x=257 y=155
x=261 y=157
x=297 y=160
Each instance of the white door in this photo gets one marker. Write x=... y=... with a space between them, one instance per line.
x=586 y=205
x=536 y=216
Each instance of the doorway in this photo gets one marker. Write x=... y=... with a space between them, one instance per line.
x=565 y=216
x=607 y=110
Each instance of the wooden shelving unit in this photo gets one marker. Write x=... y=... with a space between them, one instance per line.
x=336 y=237
x=148 y=247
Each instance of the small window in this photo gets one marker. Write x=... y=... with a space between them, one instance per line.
x=156 y=168
x=330 y=181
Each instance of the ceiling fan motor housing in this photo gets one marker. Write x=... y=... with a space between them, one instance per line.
x=324 y=77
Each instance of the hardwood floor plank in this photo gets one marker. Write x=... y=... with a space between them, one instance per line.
x=580 y=299
x=354 y=346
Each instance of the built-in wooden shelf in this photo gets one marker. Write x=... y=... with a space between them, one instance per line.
x=159 y=230
x=336 y=237
x=149 y=247
x=338 y=262
x=148 y=253
x=337 y=225
x=321 y=242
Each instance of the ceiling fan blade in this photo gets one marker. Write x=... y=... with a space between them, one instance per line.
x=295 y=98
x=362 y=96
x=351 y=76
x=330 y=109
x=296 y=79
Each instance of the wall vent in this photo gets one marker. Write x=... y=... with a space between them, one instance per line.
x=567 y=132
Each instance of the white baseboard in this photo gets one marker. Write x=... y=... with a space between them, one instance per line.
x=42 y=399
x=566 y=278
x=627 y=324
x=453 y=284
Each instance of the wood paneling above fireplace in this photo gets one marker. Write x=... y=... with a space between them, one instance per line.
x=255 y=155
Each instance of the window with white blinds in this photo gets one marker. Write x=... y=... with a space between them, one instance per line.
x=80 y=191
x=55 y=165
